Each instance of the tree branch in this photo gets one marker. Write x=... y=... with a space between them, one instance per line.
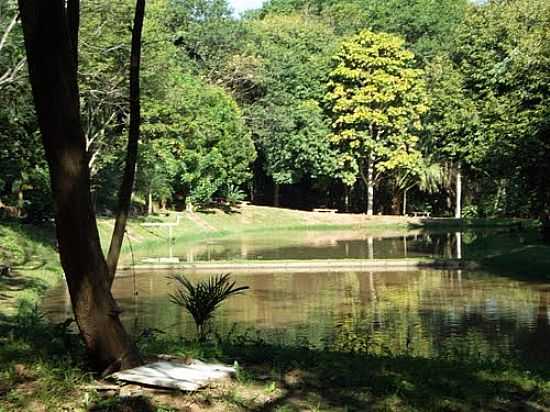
x=8 y=31
x=10 y=75
x=126 y=187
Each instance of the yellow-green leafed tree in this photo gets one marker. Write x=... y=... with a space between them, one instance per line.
x=376 y=98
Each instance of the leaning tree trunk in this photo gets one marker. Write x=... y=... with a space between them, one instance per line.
x=50 y=31
x=458 y=206
x=127 y=185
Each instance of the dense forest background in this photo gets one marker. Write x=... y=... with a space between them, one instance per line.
x=304 y=104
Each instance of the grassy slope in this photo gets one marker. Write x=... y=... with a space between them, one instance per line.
x=30 y=250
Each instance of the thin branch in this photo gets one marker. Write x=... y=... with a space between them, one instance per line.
x=126 y=187
x=11 y=74
x=8 y=30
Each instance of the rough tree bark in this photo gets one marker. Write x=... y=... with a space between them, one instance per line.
x=50 y=31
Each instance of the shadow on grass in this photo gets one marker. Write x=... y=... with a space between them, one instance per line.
x=117 y=404
x=24 y=244
x=307 y=379
x=15 y=283
x=226 y=208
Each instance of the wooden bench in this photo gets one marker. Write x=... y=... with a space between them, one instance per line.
x=423 y=213
x=325 y=210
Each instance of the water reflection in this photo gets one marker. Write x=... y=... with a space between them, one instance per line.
x=312 y=245
x=418 y=312
x=351 y=244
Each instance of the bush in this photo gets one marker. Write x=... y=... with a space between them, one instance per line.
x=202 y=299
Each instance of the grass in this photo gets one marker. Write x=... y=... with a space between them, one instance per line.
x=30 y=251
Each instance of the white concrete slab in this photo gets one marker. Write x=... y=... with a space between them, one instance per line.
x=176 y=375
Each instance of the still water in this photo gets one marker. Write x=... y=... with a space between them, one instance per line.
x=418 y=312
x=330 y=244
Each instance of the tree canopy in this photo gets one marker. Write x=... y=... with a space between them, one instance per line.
x=376 y=98
x=284 y=98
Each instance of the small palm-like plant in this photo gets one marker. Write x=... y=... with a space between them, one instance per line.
x=204 y=297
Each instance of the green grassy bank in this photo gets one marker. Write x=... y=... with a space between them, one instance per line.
x=30 y=252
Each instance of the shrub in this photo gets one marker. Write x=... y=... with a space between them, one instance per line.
x=203 y=298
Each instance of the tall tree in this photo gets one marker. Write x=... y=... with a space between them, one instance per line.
x=282 y=73
x=376 y=98
x=451 y=123
x=51 y=41
x=502 y=54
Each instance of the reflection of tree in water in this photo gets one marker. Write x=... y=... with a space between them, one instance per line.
x=445 y=316
x=419 y=313
x=533 y=344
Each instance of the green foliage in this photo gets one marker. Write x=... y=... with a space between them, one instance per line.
x=157 y=170
x=205 y=33
x=426 y=25
x=217 y=90
x=452 y=118
x=376 y=99
x=21 y=154
x=233 y=194
x=294 y=141
x=280 y=75
x=502 y=52
x=199 y=131
x=202 y=299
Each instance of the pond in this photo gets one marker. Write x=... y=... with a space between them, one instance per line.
x=420 y=312
x=338 y=244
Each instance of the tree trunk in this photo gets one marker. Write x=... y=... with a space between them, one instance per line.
x=347 y=198
x=20 y=202
x=150 y=203
x=370 y=185
x=127 y=185
x=458 y=206
x=405 y=202
x=49 y=32
x=276 y=195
